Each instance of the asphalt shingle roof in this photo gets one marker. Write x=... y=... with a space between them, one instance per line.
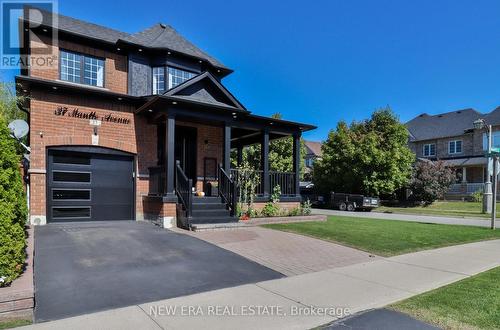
x=493 y=118
x=164 y=36
x=313 y=148
x=426 y=127
x=158 y=36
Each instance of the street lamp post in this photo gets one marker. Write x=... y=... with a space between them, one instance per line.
x=489 y=203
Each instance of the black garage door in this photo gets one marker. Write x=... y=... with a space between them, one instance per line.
x=89 y=184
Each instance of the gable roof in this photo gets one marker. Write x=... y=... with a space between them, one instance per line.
x=205 y=88
x=159 y=36
x=313 y=148
x=454 y=123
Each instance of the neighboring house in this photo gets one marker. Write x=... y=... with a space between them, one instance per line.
x=313 y=152
x=126 y=126
x=451 y=137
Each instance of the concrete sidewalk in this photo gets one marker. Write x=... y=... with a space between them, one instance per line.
x=475 y=222
x=286 y=303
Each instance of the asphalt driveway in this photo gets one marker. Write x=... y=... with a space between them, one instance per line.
x=88 y=267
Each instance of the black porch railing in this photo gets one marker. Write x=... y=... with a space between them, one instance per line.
x=184 y=190
x=237 y=175
x=286 y=181
x=227 y=190
x=157 y=181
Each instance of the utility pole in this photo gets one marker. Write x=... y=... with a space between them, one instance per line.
x=487 y=199
x=494 y=199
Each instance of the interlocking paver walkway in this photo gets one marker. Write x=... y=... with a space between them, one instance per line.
x=288 y=253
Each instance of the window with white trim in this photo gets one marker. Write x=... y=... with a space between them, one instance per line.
x=73 y=64
x=175 y=77
x=495 y=141
x=429 y=150
x=178 y=76
x=455 y=147
x=158 y=80
x=70 y=66
x=93 y=71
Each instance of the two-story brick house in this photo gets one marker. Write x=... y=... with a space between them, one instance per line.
x=128 y=126
x=452 y=138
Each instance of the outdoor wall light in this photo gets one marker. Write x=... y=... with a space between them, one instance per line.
x=118 y=49
x=140 y=49
x=174 y=103
x=41 y=134
x=150 y=110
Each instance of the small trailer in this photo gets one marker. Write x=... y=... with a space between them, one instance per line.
x=352 y=202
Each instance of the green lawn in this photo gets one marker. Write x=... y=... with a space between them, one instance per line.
x=468 y=304
x=443 y=208
x=388 y=237
x=13 y=323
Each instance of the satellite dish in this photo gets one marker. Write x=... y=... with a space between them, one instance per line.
x=19 y=128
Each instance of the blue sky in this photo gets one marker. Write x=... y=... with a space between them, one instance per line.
x=321 y=61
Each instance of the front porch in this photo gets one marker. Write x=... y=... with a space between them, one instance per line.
x=471 y=175
x=199 y=124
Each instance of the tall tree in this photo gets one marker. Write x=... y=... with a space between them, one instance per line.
x=369 y=157
x=9 y=102
x=13 y=210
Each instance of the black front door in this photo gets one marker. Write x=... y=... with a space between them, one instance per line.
x=185 y=150
x=89 y=184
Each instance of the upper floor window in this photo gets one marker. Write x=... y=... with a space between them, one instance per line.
x=309 y=162
x=158 y=80
x=82 y=69
x=495 y=141
x=174 y=77
x=177 y=76
x=429 y=150
x=455 y=147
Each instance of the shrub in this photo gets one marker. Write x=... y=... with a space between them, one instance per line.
x=477 y=196
x=294 y=212
x=275 y=196
x=306 y=207
x=270 y=210
x=13 y=210
x=430 y=181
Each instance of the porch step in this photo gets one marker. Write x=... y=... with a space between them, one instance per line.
x=210 y=210
x=210 y=213
x=207 y=200
x=209 y=206
x=207 y=220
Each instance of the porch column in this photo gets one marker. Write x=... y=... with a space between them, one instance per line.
x=239 y=155
x=296 y=161
x=170 y=155
x=264 y=162
x=464 y=175
x=227 y=148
